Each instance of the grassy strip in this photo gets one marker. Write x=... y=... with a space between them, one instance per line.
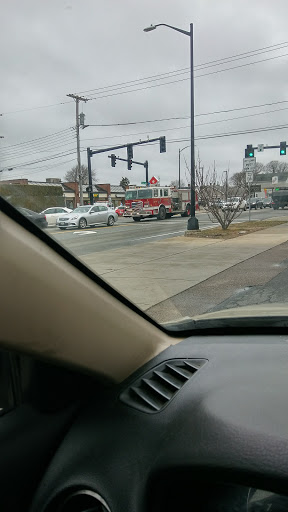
x=234 y=230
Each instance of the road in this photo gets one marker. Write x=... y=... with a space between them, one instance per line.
x=127 y=233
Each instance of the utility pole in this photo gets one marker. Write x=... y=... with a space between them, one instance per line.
x=77 y=100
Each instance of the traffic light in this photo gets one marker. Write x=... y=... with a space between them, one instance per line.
x=162 y=144
x=283 y=148
x=113 y=160
x=129 y=152
x=129 y=164
x=249 y=151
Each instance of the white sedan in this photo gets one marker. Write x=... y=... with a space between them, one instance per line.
x=84 y=216
x=52 y=214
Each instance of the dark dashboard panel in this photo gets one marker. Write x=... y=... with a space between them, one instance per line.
x=228 y=423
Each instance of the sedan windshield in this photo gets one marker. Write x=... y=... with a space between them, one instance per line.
x=70 y=137
x=82 y=209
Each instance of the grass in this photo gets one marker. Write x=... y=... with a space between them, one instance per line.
x=234 y=230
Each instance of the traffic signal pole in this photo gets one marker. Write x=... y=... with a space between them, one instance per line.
x=145 y=164
x=91 y=152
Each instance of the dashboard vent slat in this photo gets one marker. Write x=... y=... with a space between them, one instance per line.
x=153 y=391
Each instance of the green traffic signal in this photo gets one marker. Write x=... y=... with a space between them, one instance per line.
x=283 y=147
x=251 y=154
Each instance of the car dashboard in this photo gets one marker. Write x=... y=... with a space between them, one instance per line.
x=201 y=427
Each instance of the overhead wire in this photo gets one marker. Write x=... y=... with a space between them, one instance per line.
x=223 y=60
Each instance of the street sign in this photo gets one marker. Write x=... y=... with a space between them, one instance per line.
x=260 y=148
x=274 y=180
x=143 y=183
x=153 y=181
x=249 y=177
x=255 y=188
x=249 y=164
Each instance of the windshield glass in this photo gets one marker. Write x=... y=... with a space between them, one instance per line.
x=144 y=194
x=95 y=110
x=82 y=209
x=131 y=194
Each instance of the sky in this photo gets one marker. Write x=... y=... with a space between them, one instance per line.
x=98 y=49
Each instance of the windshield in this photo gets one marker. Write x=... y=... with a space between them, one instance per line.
x=82 y=209
x=95 y=110
x=144 y=194
x=131 y=194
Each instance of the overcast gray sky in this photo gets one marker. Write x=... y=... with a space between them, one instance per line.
x=51 y=48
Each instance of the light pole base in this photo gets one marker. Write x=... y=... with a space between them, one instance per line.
x=192 y=224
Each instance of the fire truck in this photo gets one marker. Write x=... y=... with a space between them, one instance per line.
x=157 y=201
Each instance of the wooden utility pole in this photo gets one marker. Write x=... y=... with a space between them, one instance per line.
x=77 y=100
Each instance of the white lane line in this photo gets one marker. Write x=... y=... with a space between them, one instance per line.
x=84 y=233
x=155 y=236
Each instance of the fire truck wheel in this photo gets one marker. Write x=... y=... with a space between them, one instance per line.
x=162 y=213
x=136 y=219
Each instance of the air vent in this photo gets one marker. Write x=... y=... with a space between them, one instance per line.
x=79 y=501
x=154 y=390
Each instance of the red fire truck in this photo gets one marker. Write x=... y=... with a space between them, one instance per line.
x=157 y=201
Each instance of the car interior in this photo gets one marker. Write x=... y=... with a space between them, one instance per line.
x=102 y=409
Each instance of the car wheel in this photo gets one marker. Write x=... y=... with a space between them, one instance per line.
x=82 y=223
x=111 y=221
x=136 y=219
x=162 y=213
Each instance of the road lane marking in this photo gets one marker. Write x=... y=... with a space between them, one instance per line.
x=155 y=236
x=84 y=232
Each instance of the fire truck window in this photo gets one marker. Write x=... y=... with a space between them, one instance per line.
x=144 y=193
x=155 y=192
x=161 y=192
x=131 y=194
x=165 y=192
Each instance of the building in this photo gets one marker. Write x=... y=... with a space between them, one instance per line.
x=37 y=195
x=53 y=192
x=264 y=184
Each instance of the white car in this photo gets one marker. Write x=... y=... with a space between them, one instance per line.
x=52 y=214
x=235 y=203
x=84 y=216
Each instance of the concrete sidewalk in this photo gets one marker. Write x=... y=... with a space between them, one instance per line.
x=149 y=274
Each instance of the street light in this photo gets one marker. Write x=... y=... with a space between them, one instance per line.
x=192 y=221
x=179 y=162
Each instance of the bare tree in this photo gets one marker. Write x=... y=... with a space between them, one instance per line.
x=275 y=167
x=175 y=183
x=72 y=175
x=212 y=192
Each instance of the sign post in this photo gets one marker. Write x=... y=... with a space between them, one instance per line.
x=249 y=180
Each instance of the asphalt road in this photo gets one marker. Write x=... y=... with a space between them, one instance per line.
x=127 y=233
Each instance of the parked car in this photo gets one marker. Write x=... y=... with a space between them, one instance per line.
x=38 y=218
x=235 y=203
x=267 y=202
x=120 y=210
x=52 y=214
x=84 y=216
x=256 y=203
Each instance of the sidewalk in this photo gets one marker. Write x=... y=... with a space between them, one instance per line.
x=151 y=273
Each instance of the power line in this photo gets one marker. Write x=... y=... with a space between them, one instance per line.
x=52 y=157
x=187 y=117
x=35 y=108
x=187 y=126
x=266 y=49
x=205 y=65
x=39 y=138
x=38 y=149
x=188 y=78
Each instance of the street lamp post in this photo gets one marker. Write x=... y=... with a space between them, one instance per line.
x=192 y=221
x=179 y=162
